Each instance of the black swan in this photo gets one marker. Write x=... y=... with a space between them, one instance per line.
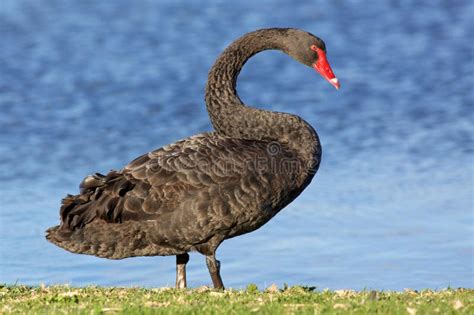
x=194 y=194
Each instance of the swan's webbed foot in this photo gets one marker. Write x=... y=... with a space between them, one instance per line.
x=181 y=261
x=214 y=267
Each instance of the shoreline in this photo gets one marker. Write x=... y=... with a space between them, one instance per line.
x=272 y=300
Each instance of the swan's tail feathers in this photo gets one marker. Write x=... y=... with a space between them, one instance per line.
x=113 y=241
x=54 y=235
x=92 y=221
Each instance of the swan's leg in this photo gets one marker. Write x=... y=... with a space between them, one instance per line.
x=214 y=267
x=181 y=261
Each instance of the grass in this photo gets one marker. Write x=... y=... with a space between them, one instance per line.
x=20 y=299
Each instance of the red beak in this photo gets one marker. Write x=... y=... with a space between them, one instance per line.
x=323 y=67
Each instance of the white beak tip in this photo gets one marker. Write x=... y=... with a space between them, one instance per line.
x=335 y=83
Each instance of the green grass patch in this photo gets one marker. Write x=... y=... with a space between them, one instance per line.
x=20 y=299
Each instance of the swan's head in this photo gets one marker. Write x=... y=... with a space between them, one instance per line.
x=311 y=51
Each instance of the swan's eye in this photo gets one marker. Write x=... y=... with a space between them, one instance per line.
x=316 y=49
x=319 y=52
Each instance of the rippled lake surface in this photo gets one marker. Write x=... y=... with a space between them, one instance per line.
x=87 y=86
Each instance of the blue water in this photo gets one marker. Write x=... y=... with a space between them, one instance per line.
x=87 y=86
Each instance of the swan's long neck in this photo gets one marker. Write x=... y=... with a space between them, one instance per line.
x=230 y=117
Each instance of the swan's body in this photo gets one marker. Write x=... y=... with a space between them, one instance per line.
x=197 y=192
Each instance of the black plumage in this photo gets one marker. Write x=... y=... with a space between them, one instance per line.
x=197 y=192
